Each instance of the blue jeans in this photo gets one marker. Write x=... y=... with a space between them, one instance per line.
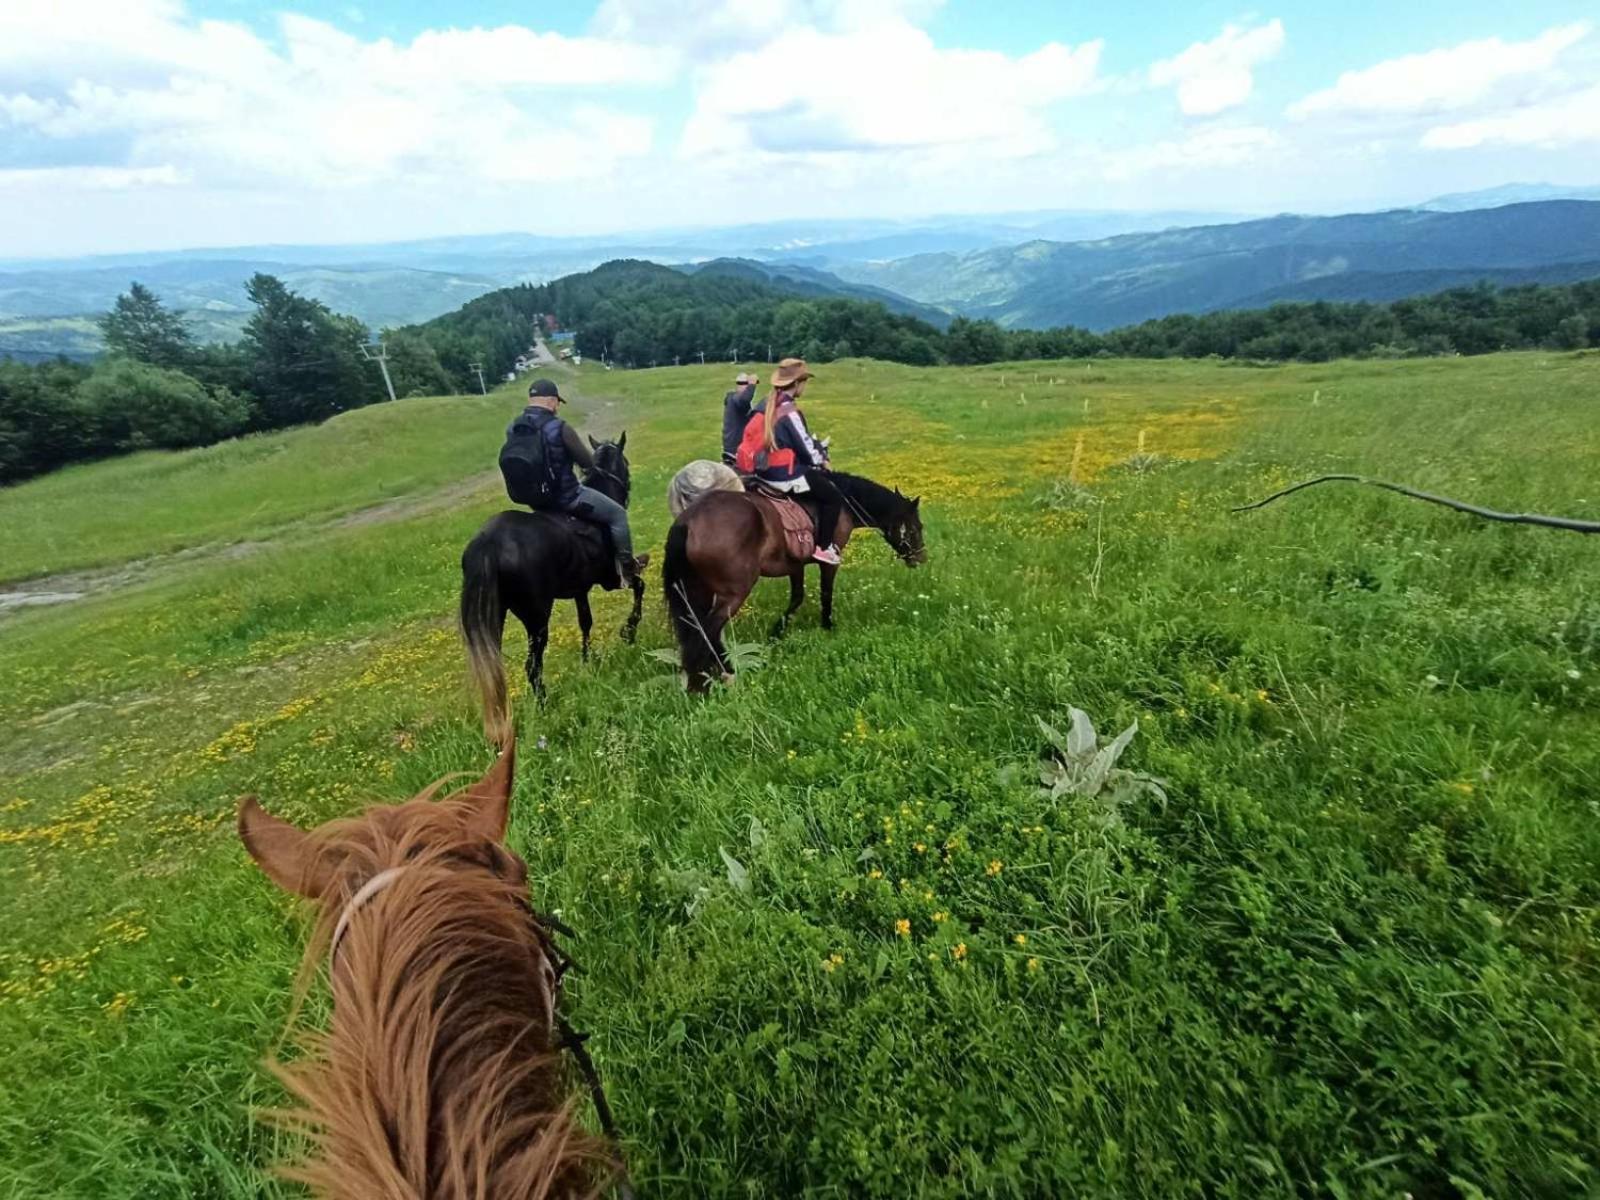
x=603 y=510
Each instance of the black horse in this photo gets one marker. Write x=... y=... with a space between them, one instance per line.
x=523 y=562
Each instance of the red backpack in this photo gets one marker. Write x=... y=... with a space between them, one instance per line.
x=753 y=454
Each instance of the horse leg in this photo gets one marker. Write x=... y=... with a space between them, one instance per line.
x=828 y=574
x=797 y=597
x=535 y=617
x=630 y=627
x=585 y=621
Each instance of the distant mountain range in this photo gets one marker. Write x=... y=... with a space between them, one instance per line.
x=48 y=306
x=1508 y=193
x=1091 y=268
x=811 y=283
x=1123 y=280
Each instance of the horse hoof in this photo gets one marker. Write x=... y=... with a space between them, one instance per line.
x=628 y=633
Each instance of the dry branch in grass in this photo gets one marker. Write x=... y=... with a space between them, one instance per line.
x=1488 y=514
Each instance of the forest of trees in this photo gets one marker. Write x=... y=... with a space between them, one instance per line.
x=298 y=362
x=637 y=314
x=156 y=387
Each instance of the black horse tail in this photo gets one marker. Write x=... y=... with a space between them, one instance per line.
x=483 y=619
x=690 y=601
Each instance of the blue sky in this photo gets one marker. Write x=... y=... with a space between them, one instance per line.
x=135 y=124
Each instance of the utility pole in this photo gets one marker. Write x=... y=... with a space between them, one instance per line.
x=702 y=358
x=478 y=367
x=769 y=351
x=375 y=352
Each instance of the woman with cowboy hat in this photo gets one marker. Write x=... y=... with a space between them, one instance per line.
x=779 y=449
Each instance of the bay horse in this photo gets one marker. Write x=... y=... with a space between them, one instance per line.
x=523 y=562
x=441 y=1072
x=723 y=543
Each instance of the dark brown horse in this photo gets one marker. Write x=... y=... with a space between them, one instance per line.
x=723 y=543
x=441 y=1074
x=523 y=562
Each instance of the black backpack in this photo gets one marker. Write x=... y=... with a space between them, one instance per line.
x=525 y=467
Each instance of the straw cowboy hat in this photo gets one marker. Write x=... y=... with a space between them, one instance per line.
x=790 y=371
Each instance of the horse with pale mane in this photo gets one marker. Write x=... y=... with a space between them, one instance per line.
x=441 y=1074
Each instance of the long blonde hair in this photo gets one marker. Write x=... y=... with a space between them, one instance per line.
x=771 y=422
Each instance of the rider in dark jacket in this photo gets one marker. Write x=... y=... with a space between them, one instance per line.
x=736 y=414
x=564 y=450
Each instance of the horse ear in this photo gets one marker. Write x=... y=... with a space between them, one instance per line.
x=897 y=493
x=623 y=440
x=289 y=855
x=916 y=502
x=488 y=801
x=594 y=445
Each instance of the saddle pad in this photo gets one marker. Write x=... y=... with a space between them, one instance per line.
x=799 y=533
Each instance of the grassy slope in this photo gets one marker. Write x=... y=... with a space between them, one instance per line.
x=1355 y=952
x=158 y=502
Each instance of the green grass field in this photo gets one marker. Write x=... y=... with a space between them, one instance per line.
x=1355 y=953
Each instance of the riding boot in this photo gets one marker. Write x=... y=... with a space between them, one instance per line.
x=631 y=568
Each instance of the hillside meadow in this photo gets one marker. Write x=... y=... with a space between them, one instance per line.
x=1355 y=951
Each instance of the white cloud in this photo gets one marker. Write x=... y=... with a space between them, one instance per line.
x=327 y=110
x=94 y=179
x=1212 y=77
x=881 y=87
x=719 y=28
x=1441 y=80
x=1224 y=146
x=1569 y=121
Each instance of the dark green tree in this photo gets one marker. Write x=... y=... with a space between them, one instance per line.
x=414 y=366
x=140 y=327
x=305 y=362
x=43 y=423
x=138 y=406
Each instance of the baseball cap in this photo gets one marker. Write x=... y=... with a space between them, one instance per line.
x=545 y=387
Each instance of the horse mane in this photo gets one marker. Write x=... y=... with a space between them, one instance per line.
x=878 y=502
x=439 y=1075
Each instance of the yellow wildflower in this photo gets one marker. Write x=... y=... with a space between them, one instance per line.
x=941 y=916
x=874 y=874
x=903 y=927
x=958 y=951
x=919 y=847
x=995 y=867
x=1033 y=964
x=1021 y=939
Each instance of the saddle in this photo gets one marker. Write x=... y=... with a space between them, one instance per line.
x=591 y=540
x=799 y=519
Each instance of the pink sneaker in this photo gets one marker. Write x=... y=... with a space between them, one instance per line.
x=826 y=554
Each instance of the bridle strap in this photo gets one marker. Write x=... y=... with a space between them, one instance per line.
x=363 y=896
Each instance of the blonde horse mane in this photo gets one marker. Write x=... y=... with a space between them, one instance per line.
x=440 y=1075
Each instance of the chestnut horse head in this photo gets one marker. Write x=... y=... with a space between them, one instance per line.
x=441 y=1074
